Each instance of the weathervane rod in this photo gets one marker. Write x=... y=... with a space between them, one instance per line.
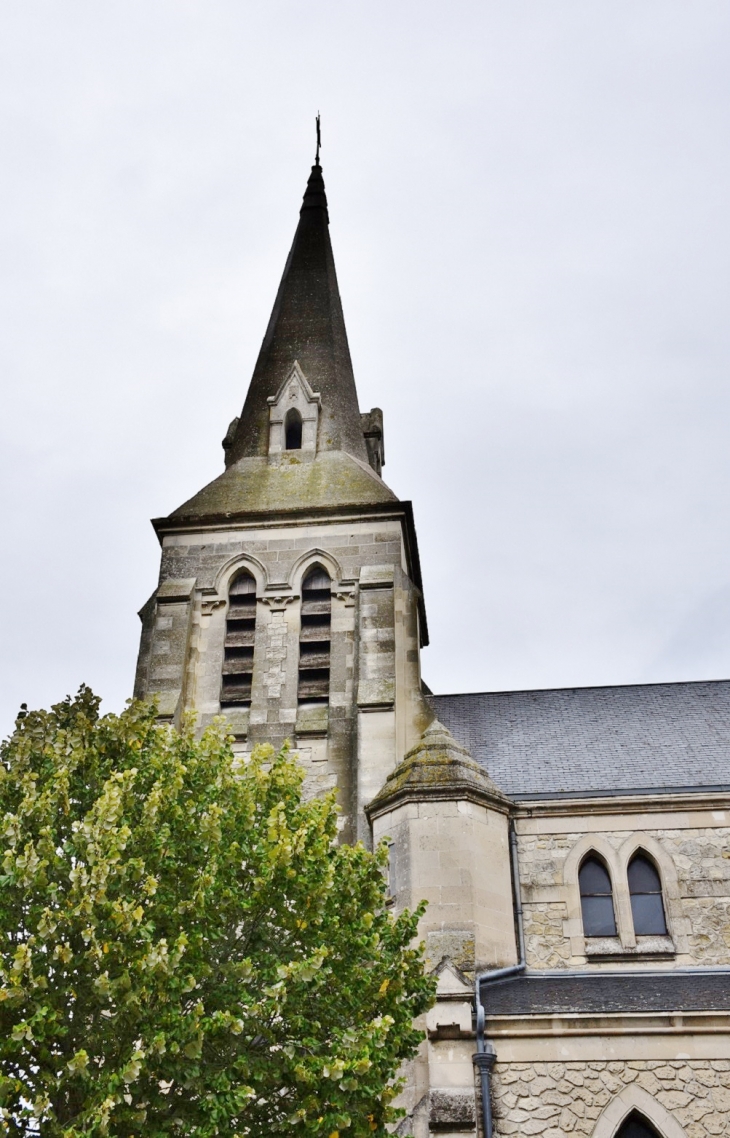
x=319 y=141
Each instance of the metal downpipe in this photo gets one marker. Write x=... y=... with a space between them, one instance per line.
x=486 y=1056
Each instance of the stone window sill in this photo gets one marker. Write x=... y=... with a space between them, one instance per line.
x=647 y=948
x=237 y=722
x=313 y=721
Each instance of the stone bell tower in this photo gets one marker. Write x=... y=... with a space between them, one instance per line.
x=289 y=596
x=290 y=601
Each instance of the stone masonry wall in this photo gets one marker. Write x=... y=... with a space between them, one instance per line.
x=374 y=691
x=701 y=858
x=354 y=546
x=556 y=1099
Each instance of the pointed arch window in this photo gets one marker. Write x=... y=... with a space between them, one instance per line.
x=636 y=1126
x=239 y=643
x=647 y=904
x=293 y=430
x=314 y=638
x=596 y=898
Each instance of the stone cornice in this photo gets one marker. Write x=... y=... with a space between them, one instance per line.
x=617 y=1023
x=650 y=803
x=197 y=523
x=377 y=807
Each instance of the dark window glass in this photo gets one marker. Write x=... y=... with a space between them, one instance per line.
x=293 y=430
x=594 y=877
x=636 y=1126
x=239 y=643
x=596 y=899
x=647 y=906
x=643 y=877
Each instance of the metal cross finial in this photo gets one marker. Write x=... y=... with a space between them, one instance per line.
x=319 y=141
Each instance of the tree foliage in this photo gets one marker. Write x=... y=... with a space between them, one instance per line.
x=184 y=947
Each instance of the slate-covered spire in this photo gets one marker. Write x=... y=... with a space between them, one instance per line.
x=306 y=325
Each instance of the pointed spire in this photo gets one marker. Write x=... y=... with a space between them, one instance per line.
x=306 y=325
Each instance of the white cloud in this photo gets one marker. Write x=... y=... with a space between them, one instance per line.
x=529 y=216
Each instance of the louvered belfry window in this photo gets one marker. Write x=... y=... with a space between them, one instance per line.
x=239 y=643
x=647 y=906
x=596 y=899
x=314 y=638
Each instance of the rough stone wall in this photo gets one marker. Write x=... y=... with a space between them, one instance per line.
x=541 y=861
x=546 y=944
x=701 y=858
x=555 y=1099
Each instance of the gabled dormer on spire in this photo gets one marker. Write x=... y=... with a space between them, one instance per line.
x=294 y=416
x=306 y=328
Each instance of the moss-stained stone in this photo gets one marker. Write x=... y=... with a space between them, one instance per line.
x=452 y=1110
x=457 y=945
x=238 y=721
x=312 y=720
x=439 y=768
x=258 y=486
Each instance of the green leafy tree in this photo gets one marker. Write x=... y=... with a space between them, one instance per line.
x=185 y=948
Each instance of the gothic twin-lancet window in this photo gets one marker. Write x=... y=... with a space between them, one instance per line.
x=636 y=1126
x=314 y=638
x=645 y=890
x=239 y=643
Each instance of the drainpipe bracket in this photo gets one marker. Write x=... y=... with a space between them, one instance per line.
x=485 y=1060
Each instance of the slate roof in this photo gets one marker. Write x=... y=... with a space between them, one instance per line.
x=577 y=741
x=604 y=994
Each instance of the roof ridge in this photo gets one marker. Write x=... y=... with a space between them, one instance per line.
x=579 y=687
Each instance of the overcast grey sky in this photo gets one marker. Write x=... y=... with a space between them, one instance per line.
x=529 y=208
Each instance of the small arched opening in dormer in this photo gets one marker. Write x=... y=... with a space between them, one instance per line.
x=647 y=904
x=636 y=1126
x=293 y=430
x=596 y=898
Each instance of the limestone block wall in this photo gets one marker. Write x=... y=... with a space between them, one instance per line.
x=162 y=667
x=557 y=1099
x=375 y=706
x=694 y=862
x=438 y=854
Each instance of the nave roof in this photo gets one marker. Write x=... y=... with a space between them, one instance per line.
x=596 y=740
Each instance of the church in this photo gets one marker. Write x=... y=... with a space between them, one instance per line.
x=573 y=845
